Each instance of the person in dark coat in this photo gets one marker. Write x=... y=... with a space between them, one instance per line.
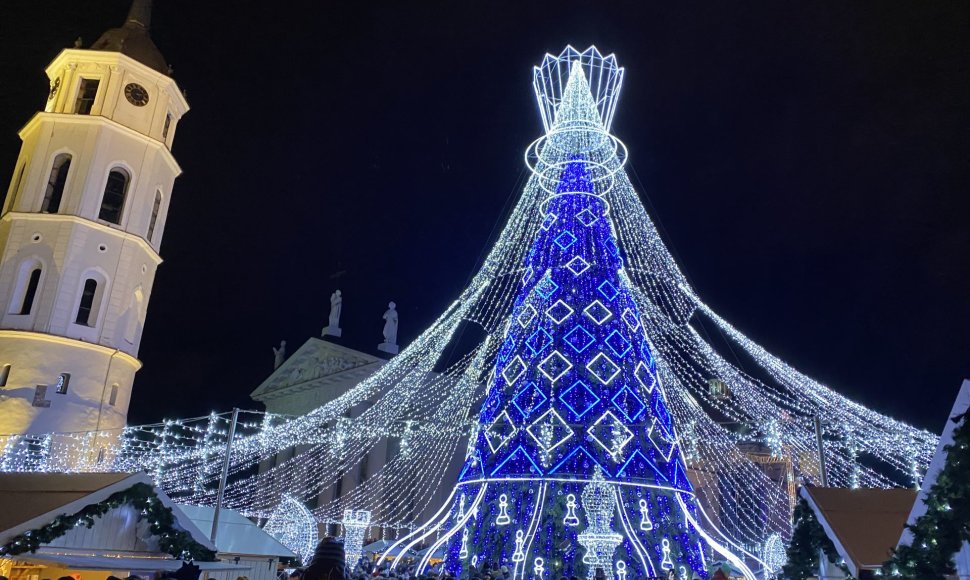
x=328 y=562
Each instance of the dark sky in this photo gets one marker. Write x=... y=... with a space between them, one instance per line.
x=807 y=162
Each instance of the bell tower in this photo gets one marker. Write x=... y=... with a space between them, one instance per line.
x=80 y=232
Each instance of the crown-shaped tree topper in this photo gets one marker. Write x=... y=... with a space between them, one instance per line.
x=550 y=79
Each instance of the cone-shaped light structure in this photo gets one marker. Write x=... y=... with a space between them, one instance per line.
x=577 y=466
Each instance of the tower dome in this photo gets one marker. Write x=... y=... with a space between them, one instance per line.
x=132 y=38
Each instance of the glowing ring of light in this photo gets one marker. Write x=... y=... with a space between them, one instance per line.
x=619 y=148
x=550 y=175
x=534 y=152
x=549 y=178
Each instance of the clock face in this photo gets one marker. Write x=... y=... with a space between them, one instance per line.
x=136 y=94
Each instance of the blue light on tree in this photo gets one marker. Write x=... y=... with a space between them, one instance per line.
x=574 y=410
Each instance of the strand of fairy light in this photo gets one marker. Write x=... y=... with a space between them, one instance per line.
x=738 y=380
x=347 y=466
x=452 y=408
x=337 y=405
x=834 y=404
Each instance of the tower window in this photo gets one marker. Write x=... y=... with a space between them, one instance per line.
x=167 y=125
x=113 y=201
x=4 y=375
x=113 y=398
x=86 y=305
x=32 y=283
x=55 y=184
x=63 y=381
x=86 y=92
x=155 y=207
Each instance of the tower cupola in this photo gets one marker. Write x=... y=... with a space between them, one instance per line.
x=132 y=38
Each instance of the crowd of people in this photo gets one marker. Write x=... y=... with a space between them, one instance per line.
x=329 y=563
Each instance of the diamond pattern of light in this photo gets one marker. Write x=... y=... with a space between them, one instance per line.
x=427 y=393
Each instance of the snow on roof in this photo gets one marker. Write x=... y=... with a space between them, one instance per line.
x=237 y=534
x=960 y=406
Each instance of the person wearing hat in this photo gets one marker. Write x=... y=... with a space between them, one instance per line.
x=328 y=562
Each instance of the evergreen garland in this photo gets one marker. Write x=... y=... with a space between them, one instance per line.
x=941 y=531
x=142 y=497
x=808 y=537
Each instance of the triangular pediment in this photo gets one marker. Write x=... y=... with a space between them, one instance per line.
x=315 y=361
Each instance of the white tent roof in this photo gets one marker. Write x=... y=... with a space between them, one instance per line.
x=237 y=535
x=32 y=500
x=960 y=406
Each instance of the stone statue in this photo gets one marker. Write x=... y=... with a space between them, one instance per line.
x=335 y=305
x=333 y=324
x=279 y=354
x=390 y=327
x=390 y=330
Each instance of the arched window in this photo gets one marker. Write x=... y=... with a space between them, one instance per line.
x=4 y=375
x=86 y=306
x=55 y=183
x=155 y=207
x=31 y=291
x=30 y=275
x=113 y=201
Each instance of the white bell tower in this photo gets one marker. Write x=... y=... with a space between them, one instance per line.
x=80 y=232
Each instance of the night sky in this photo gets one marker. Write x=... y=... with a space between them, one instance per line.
x=808 y=164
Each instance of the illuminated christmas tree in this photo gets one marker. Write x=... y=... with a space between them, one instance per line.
x=577 y=465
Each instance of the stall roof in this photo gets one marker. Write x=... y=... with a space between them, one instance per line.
x=28 y=496
x=31 y=500
x=864 y=524
x=236 y=533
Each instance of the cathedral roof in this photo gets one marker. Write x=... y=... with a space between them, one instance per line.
x=132 y=38
x=318 y=362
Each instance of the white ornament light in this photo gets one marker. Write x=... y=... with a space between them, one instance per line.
x=538 y=567
x=503 y=518
x=294 y=526
x=355 y=527
x=571 y=518
x=519 y=555
x=599 y=539
x=645 y=523
x=666 y=563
